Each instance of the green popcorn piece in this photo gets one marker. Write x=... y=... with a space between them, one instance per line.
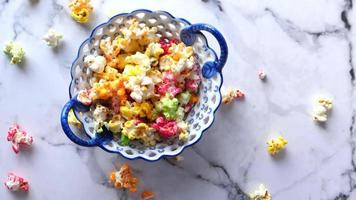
x=15 y=52
x=124 y=140
x=169 y=107
x=180 y=113
x=184 y=98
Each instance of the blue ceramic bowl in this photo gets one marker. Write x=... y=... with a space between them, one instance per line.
x=199 y=119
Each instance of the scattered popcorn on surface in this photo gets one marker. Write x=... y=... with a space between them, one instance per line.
x=80 y=10
x=72 y=120
x=16 y=183
x=229 y=94
x=262 y=75
x=260 y=194
x=276 y=145
x=124 y=178
x=52 y=38
x=321 y=108
x=15 y=52
x=146 y=195
x=239 y=94
x=179 y=158
x=18 y=137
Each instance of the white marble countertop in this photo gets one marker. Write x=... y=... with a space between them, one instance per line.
x=306 y=48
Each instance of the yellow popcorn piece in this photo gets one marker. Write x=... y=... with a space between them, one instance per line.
x=139 y=59
x=184 y=132
x=155 y=75
x=326 y=102
x=260 y=194
x=133 y=131
x=143 y=109
x=140 y=131
x=178 y=51
x=132 y=70
x=166 y=63
x=115 y=124
x=72 y=120
x=80 y=10
x=321 y=108
x=154 y=50
x=276 y=145
x=15 y=52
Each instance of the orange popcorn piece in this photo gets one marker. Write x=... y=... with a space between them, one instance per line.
x=146 y=195
x=194 y=99
x=109 y=89
x=124 y=178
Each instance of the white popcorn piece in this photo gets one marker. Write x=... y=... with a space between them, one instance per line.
x=262 y=75
x=84 y=97
x=142 y=87
x=100 y=114
x=95 y=63
x=321 y=108
x=52 y=38
x=260 y=194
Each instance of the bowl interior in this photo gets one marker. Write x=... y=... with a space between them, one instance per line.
x=200 y=117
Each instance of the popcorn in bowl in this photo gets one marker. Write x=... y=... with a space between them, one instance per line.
x=142 y=89
x=156 y=92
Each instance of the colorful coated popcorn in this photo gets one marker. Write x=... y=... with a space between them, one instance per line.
x=260 y=194
x=18 y=137
x=146 y=195
x=15 y=52
x=229 y=94
x=143 y=85
x=16 y=183
x=80 y=10
x=52 y=38
x=276 y=145
x=124 y=178
x=321 y=109
x=72 y=120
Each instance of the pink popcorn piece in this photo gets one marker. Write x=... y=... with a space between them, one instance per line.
x=193 y=84
x=84 y=97
x=166 y=128
x=18 y=137
x=169 y=84
x=262 y=75
x=239 y=94
x=16 y=183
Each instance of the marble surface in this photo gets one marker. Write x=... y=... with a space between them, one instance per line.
x=306 y=47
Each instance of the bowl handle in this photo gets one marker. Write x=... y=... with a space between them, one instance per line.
x=74 y=103
x=189 y=34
